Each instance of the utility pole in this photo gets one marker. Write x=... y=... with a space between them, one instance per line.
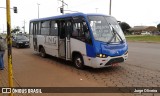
x=63 y=6
x=9 y=44
x=3 y=28
x=24 y=25
x=38 y=9
x=110 y=7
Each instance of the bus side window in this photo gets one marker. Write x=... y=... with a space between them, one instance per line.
x=62 y=30
x=54 y=28
x=87 y=34
x=45 y=27
x=69 y=28
x=80 y=30
x=75 y=31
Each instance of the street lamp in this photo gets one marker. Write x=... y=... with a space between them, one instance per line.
x=38 y=9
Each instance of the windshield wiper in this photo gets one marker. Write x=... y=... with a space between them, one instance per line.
x=109 y=41
x=114 y=35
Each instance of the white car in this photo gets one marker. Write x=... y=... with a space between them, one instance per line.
x=145 y=33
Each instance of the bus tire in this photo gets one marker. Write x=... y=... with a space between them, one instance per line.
x=42 y=52
x=78 y=61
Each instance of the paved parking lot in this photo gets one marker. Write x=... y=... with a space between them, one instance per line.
x=33 y=71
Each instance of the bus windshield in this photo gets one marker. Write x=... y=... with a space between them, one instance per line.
x=106 y=29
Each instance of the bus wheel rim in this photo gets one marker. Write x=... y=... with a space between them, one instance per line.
x=78 y=62
x=42 y=53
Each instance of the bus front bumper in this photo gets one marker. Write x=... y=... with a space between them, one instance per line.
x=107 y=62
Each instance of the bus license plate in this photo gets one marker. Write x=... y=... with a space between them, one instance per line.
x=115 y=64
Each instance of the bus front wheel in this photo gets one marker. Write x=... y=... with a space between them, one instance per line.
x=42 y=52
x=78 y=61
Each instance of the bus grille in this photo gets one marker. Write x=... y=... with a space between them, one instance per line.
x=115 y=60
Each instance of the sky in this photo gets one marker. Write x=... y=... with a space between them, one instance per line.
x=133 y=12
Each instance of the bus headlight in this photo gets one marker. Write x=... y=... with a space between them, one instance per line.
x=101 y=55
x=126 y=53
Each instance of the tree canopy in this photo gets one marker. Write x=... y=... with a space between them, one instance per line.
x=124 y=26
x=15 y=30
x=158 y=26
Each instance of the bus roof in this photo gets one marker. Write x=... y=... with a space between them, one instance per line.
x=66 y=15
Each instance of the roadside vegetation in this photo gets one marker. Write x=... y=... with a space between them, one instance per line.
x=143 y=38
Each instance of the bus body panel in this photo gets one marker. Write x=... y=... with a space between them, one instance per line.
x=80 y=47
x=49 y=43
x=31 y=42
x=111 y=49
x=90 y=50
x=114 y=50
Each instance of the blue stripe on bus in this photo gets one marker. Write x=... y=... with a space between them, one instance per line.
x=110 y=49
x=90 y=50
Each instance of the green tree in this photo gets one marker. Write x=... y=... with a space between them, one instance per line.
x=158 y=26
x=124 y=27
x=15 y=30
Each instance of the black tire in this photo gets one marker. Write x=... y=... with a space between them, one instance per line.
x=78 y=61
x=42 y=52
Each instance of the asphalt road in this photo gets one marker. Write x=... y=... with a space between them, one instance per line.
x=146 y=55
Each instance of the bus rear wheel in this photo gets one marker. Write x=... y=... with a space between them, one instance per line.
x=78 y=62
x=42 y=52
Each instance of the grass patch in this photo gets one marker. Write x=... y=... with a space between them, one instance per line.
x=145 y=38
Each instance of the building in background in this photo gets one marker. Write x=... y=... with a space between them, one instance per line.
x=144 y=30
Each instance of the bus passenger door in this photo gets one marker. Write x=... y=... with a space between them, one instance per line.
x=35 y=31
x=31 y=35
x=61 y=43
x=68 y=31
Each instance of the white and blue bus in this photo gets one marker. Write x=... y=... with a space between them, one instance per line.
x=93 y=40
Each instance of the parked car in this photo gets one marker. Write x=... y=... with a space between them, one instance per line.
x=145 y=33
x=20 y=41
x=156 y=33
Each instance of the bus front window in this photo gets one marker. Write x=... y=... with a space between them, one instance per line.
x=106 y=29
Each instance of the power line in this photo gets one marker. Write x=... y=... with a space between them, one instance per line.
x=71 y=11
